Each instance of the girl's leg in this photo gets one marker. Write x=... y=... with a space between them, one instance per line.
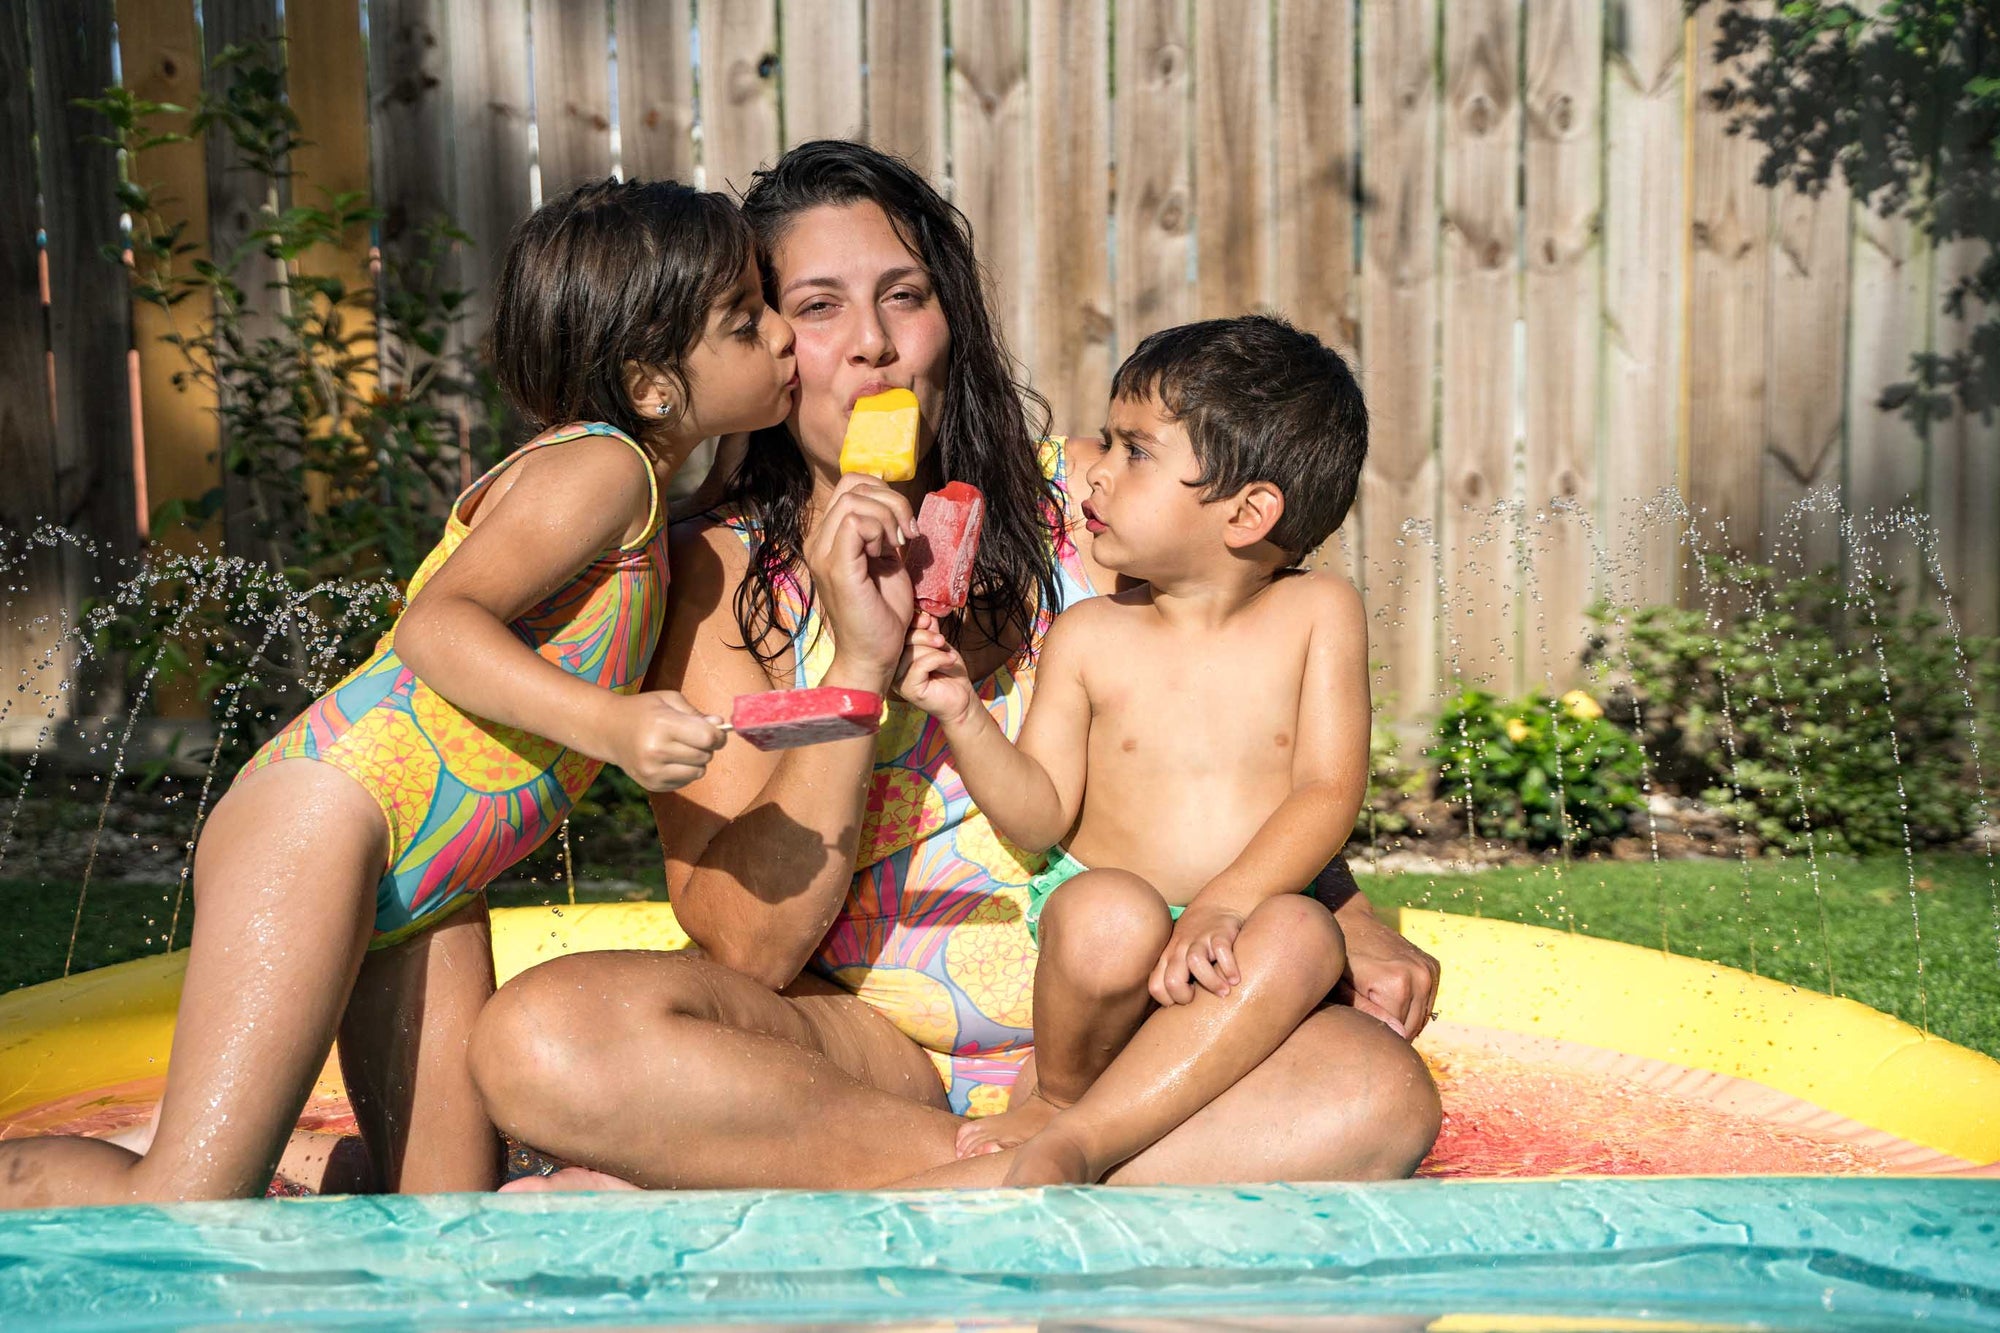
x=402 y=1056
x=284 y=901
x=1101 y=935
x=675 y=1072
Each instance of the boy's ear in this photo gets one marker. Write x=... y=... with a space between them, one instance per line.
x=649 y=390
x=1255 y=511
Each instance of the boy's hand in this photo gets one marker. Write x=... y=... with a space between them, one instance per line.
x=1201 y=952
x=660 y=740
x=933 y=676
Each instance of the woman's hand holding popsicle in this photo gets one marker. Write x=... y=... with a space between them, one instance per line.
x=859 y=581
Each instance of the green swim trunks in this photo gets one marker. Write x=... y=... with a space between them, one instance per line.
x=1062 y=868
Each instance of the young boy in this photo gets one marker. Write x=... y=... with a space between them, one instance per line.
x=1198 y=746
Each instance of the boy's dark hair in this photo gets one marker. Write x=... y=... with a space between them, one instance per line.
x=611 y=272
x=1261 y=401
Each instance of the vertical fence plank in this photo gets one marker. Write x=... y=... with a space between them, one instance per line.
x=1806 y=360
x=1890 y=319
x=1965 y=467
x=32 y=592
x=739 y=94
x=160 y=53
x=1399 y=304
x=327 y=80
x=990 y=153
x=572 y=92
x=1232 y=182
x=1565 y=44
x=1069 y=70
x=1153 y=169
x=1643 y=205
x=906 y=81
x=656 y=90
x=821 y=70
x=1478 y=303
x=487 y=69
x=1730 y=251
x=410 y=122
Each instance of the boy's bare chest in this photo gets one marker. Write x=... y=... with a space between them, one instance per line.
x=1224 y=701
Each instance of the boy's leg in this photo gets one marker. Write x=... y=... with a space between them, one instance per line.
x=284 y=900
x=1186 y=1055
x=403 y=1057
x=1101 y=935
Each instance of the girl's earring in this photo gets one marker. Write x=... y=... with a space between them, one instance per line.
x=666 y=409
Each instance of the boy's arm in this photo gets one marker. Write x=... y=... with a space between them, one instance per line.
x=1330 y=760
x=1031 y=792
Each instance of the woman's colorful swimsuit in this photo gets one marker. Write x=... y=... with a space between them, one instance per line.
x=466 y=798
x=933 y=933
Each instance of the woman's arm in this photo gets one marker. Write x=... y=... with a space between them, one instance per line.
x=760 y=852
x=562 y=508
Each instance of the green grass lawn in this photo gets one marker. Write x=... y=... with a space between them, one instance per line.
x=1767 y=920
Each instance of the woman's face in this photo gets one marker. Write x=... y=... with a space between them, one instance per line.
x=866 y=318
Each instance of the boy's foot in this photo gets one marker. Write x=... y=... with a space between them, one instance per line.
x=570 y=1178
x=1050 y=1159
x=1012 y=1127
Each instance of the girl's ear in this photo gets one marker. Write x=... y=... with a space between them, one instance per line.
x=1254 y=512
x=650 y=391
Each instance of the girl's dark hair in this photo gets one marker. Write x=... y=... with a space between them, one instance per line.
x=610 y=273
x=987 y=425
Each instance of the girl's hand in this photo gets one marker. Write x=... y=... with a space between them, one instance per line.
x=659 y=739
x=855 y=556
x=933 y=676
x=1201 y=952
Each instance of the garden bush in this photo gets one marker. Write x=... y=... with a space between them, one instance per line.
x=1546 y=772
x=1825 y=712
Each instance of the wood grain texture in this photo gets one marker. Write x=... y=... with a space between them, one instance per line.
x=656 y=90
x=1154 y=204
x=572 y=59
x=1399 y=312
x=1313 y=191
x=739 y=90
x=991 y=148
x=1890 y=321
x=1806 y=373
x=1964 y=498
x=1232 y=183
x=327 y=81
x=906 y=81
x=1563 y=102
x=410 y=123
x=491 y=107
x=1644 y=202
x=1069 y=70
x=821 y=81
x=1478 y=302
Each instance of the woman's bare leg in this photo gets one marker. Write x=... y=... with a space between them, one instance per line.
x=676 y=1072
x=403 y=1057
x=1101 y=936
x=284 y=900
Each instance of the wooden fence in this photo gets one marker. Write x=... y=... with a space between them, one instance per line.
x=1551 y=262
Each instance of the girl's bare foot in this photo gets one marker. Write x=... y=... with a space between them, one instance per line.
x=570 y=1178
x=1050 y=1159
x=1013 y=1126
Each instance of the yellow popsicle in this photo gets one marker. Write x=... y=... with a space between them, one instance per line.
x=882 y=436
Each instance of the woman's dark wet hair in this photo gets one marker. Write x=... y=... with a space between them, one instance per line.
x=612 y=272
x=986 y=428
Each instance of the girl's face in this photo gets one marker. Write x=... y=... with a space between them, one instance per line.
x=867 y=318
x=742 y=372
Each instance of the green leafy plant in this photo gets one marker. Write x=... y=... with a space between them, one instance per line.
x=1822 y=715
x=1547 y=772
x=350 y=414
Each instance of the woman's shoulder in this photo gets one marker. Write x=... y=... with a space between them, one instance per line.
x=710 y=547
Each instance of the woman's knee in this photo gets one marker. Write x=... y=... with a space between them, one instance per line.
x=1105 y=928
x=1397 y=1112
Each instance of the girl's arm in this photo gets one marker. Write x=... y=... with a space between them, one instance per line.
x=760 y=851
x=563 y=507
x=1031 y=792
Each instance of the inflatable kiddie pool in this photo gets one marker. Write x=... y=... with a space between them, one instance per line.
x=1630 y=1137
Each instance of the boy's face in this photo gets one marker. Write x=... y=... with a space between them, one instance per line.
x=1145 y=517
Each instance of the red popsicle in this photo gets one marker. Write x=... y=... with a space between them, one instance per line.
x=941 y=556
x=781 y=719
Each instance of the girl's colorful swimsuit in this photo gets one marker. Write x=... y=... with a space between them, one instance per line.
x=466 y=798
x=933 y=933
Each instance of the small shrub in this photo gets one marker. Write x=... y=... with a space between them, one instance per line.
x=1782 y=715
x=1546 y=772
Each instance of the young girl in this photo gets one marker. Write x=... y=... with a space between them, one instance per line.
x=337 y=884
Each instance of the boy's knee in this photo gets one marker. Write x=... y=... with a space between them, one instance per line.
x=1105 y=927
x=1303 y=937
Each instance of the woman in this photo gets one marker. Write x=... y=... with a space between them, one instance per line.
x=862 y=970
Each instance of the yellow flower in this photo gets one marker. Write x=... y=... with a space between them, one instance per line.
x=1517 y=730
x=1581 y=706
